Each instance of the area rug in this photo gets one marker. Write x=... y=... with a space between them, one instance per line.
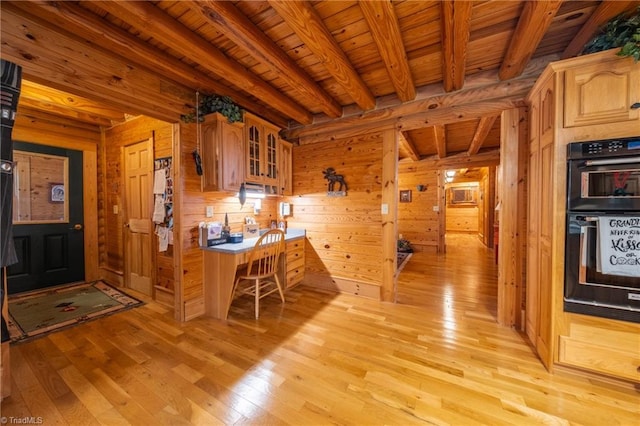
x=35 y=314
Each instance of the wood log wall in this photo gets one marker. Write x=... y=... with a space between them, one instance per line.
x=344 y=234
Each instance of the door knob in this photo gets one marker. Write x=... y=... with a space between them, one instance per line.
x=77 y=227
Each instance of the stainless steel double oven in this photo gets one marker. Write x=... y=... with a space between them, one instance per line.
x=602 y=251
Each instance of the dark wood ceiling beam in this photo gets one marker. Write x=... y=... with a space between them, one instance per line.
x=483 y=129
x=533 y=24
x=57 y=102
x=606 y=10
x=455 y=27
x=407 y=145
x=440 y=139
x=239 y=29
x=385 y=30
x=162 y=27
x=305 y=22
x=73 y=18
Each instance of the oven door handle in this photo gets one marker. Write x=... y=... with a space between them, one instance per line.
x=582 y=271
x=611 y=161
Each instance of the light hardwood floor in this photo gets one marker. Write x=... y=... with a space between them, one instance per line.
x=436 y=357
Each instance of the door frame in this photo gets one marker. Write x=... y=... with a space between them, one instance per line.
x=89 y=151
x=67 y=231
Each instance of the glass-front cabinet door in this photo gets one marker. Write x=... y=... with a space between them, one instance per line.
x=262 y=153
x=271 y=160
x=254 y=161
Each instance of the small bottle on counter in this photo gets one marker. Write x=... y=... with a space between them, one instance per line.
x=226 y=229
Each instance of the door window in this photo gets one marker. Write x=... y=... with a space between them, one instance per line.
x=40 y=188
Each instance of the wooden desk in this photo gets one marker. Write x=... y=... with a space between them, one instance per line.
x=220 y=265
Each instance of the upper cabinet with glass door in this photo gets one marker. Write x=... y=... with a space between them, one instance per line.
x=261 y=138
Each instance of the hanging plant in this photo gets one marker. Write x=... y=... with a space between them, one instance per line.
x=216 y=103
x=623 y=31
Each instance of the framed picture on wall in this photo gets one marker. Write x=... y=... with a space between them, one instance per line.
x=405 y=196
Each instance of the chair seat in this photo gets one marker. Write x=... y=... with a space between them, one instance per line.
x=260 y=276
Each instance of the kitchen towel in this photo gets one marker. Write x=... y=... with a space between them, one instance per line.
x=619 y=245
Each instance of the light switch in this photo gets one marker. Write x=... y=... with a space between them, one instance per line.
x=436 y=208
x=115 y=209
x=209 y=211
x=384 y=209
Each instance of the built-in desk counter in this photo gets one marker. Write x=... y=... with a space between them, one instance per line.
x=221 y=263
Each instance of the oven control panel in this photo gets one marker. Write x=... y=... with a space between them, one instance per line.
x=605 y=148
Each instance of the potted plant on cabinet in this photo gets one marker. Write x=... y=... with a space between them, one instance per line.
x=215 y=103
x=623 y=31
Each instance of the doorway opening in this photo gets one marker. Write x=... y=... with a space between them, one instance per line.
x=469 y=205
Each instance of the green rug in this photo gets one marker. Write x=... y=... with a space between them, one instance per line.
x=38 y=313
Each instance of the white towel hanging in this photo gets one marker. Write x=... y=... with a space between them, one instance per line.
x=619 y=245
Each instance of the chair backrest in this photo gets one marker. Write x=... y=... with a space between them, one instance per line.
x=263 y=260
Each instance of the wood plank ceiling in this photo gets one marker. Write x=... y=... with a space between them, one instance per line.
x=441 y=71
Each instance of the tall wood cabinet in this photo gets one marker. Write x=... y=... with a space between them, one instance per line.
x=222 y=154
x=586 y=98
x=539 y=300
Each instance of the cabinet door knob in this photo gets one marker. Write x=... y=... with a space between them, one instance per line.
x=636 y=105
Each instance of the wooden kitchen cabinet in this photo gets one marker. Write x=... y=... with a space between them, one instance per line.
x=539 y=300
x=601 y=345
x=600 y=94
x=285 y=169
x=262 y=153
x=590 y=97
x=294 y=263
x=222 y=153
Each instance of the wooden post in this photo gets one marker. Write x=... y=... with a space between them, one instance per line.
x=390 y=218
x=513 y=145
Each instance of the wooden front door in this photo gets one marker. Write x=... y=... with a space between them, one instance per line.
x=47 y=218
x=138 y=177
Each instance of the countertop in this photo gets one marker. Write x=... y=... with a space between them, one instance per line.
x=248 y=243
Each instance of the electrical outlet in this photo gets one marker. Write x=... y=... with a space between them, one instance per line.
x=384 y=209
x=209 y=211
x=436 y=208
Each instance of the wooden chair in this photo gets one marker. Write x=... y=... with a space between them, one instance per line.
x=260 y=278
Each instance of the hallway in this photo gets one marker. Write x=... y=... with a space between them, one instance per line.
x=462 y=280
